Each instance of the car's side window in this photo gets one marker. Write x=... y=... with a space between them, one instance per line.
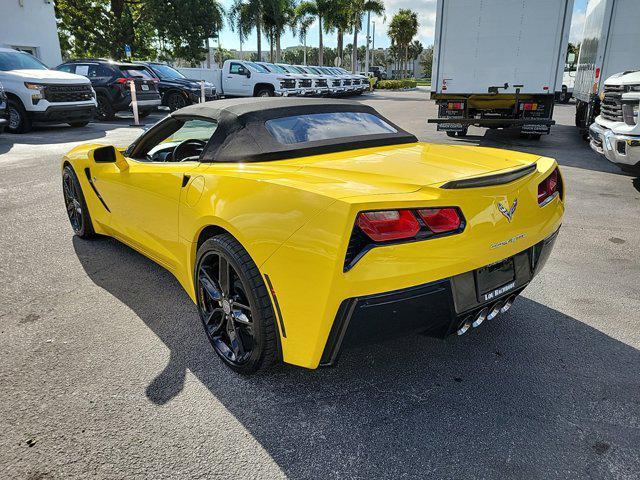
x=67 y=68
x=175 y=140
x=237 y=69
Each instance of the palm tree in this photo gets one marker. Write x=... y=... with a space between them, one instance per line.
x=402 y=28
x=245 y=15
x=306 y=13
x=311 y=9
x=415 y=50
x=277 y=16
x=357 y=9
x=337 y=18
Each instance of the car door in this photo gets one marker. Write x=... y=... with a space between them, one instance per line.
x=235 y=79
x=143 y=192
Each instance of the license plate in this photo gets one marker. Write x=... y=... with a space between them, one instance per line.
x=145 y=87
x=495 y=280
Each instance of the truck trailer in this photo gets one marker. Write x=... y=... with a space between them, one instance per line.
x=610 y=44
x=498 y=63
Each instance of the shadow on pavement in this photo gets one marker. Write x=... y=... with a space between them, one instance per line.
x=51 y=135
x=535 y=394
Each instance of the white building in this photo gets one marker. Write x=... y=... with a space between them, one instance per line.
x=30 y=25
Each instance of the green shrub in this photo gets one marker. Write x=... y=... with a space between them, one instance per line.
x=397 y=84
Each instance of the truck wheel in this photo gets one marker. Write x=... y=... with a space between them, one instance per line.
x=264 y=92
x=451 y=134
x=105 y=109
x=19 y=121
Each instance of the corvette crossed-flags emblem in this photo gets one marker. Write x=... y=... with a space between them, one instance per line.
x=508 y=213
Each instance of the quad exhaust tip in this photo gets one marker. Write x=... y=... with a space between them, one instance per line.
x=487 y=313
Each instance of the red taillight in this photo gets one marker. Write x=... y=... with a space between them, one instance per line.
x=548 y=187
x=597 y=73
x=441 y=220
x=530 y=106
x=455 y=106
x=122 y=80
x=388 y=225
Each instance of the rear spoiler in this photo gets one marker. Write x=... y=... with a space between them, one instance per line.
x=488 y=180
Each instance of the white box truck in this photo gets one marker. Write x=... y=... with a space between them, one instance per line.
x=610 y=44
x=498 y=63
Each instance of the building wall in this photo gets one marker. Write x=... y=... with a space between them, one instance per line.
x=31 y=25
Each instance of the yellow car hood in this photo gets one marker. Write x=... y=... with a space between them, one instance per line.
x=392 y=169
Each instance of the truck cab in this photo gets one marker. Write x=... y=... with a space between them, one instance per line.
x=36 y=94
x=241 y=78
x=616 y=131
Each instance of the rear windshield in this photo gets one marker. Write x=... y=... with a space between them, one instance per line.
x=136 y=73
x=326 y=126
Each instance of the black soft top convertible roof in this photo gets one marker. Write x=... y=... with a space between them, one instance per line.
x=241 y=135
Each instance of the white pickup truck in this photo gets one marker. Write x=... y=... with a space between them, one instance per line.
x=241 y=78
x=616 y=131
x=37 y=94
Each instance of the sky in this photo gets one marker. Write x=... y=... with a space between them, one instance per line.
x=426 y=10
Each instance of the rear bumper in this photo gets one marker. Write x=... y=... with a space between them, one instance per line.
x=64 y=114
x=623 y=150
x=437 y=308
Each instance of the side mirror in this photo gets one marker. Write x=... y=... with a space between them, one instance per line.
x=248 y=74
x=110 y=154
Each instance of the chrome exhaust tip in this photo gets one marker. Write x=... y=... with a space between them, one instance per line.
x=482 y=315
x=495 y=310
x=508 y=303
x=465 y=326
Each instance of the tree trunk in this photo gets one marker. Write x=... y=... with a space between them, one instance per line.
x=259 y=35
x=320 y=47
x=354 y=56
x=271 y=47
x=340 y=44
x=278 y=49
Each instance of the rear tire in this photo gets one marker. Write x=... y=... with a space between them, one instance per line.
x=236 y=313
x=76 y=205
x=144 y=113
x=19 y=121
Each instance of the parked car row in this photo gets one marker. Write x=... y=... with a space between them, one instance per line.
x=242 y=78
x=78 y=91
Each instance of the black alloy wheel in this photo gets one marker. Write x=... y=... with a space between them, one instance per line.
x=176 y=101
x=104 y=110
x=234 y=305
x=19 y=121
x=75 y=204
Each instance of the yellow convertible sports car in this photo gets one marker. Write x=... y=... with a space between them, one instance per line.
x=299 y=226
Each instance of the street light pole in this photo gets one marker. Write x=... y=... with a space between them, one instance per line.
x=366 y=56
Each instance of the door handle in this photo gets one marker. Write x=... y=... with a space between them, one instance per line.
x=185 y=180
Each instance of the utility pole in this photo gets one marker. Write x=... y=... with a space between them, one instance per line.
x=366 y=56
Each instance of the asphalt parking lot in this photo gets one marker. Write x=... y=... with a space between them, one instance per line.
x=105 y=371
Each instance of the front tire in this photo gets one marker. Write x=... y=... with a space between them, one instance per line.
x=265 y=92
x=19 y=121
x=234 y=306
x=105 y=110
x=78 y=124
x=176 y=101
x=76 y=205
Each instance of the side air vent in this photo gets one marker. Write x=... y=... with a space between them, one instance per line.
x=488 y=180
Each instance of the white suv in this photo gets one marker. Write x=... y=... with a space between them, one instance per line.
x=37 y=94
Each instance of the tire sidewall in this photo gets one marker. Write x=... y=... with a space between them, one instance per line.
x=15 y=107
x=87 y=227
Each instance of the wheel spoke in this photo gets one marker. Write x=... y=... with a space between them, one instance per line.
x=224 y=274
x=241 y=306
x=209 y=286
x=213 y=327
x=235 y=342
x=240 y=317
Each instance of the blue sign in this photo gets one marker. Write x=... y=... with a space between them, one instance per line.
x=127 y=51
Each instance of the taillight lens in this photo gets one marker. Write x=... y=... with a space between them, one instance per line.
x=386 y=225
x=122 y=80
x=549 y=188
x=441 y=220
